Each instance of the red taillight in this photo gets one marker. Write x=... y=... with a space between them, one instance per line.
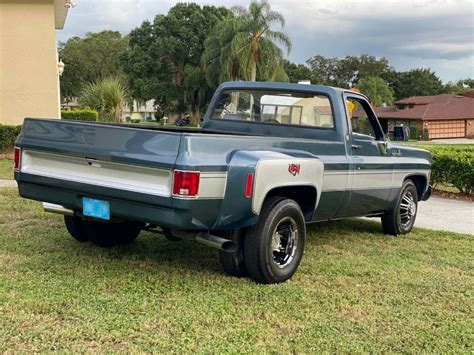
x=186 y=183
x=249 y=185
x=17 y=158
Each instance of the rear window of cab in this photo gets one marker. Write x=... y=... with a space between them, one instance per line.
x=275 y=107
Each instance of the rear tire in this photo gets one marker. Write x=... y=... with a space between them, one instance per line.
x=401 y=219
x=233 y=263
x=107 y=235
x=274 y=246
x=75 y=227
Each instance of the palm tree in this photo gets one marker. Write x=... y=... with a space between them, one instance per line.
x=255 y=43
x=107 y=97
x=245 y=47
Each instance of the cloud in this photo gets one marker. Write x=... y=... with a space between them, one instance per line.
x=410 y=33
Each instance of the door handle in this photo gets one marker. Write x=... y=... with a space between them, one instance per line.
x=356 y=146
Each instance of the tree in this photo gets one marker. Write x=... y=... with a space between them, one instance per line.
x=377 y=90
x=254 y=44
x=163 y=58
x=296 y=72
x=107 y=97
x=89 y=59
x=346 y=72
x=417 y=82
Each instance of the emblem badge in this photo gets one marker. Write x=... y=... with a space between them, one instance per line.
x=294 y=169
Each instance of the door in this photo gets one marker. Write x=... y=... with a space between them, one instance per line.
x=371 y=168
x=447 y=129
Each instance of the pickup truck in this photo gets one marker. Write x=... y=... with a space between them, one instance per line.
x=269 y=159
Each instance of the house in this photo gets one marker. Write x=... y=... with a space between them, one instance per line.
x=29 y=71
x=144 y=111
x=445 y=115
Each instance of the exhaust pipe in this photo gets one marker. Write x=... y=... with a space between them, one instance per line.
x=216 y=242
x=53 y=208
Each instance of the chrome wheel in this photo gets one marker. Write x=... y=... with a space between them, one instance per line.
x=407 y=209
x=284 y=242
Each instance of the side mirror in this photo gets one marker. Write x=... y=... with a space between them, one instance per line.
x=383 y=146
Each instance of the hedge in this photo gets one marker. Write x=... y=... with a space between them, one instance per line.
x=453 y=166
x=80 y=115
x=8 y=136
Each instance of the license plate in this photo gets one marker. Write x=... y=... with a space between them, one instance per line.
x=95 y=208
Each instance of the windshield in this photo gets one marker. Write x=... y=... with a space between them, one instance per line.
x=275 y=107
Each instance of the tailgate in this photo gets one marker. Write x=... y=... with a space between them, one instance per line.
x=83 y=157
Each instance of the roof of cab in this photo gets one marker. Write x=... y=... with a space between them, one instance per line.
x=277 y=86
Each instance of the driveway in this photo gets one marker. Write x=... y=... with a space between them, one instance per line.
x=453 y=141
x=446 y=214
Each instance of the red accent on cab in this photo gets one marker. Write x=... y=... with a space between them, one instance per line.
x=17 y=159
x=249 y=185
x=186 y=183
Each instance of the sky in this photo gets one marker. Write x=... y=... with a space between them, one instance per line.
x=436 y=34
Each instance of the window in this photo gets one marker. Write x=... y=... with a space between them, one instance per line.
x=275 y=107
x=359 y=117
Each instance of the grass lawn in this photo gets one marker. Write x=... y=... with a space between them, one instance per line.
x=6 y=169
x=356 y=290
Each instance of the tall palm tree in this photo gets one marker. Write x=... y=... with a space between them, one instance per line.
x=255 y=43
x=245 y=47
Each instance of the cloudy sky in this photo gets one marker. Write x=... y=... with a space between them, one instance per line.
x=438 y=34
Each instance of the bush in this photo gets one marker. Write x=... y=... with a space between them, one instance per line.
x=80 y=115
x=426 y=134
x=414 y=133
x=8 y=136
x=453 y=166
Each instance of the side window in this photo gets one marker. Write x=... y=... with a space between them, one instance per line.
x=361 y=119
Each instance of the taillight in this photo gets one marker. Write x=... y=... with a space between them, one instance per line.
x=17 y=158
x=185 y=183
x=249 y=185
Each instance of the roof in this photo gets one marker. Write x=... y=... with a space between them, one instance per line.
x=439 y=107
x=60 y=13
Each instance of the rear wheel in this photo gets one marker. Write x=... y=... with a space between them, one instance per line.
x=111 y=234
x=274 y=247
x=102 y=234
x=233 y=263
x=75 y=228
x=401 y=219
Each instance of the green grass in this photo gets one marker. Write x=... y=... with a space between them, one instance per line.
x=356 y=290
x=6 y=169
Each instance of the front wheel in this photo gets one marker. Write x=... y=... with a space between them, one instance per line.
x=274 y=246
x=401 y=219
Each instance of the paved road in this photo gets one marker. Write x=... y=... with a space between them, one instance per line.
x=453 y=141
x=446 y=214
x=436 y=213
x=7 y=183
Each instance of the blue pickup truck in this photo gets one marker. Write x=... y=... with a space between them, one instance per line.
x=269 y=159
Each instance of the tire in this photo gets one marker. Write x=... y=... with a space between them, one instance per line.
x=263 y=262
x=401 y=219
x=75 y=227
x=233 y=263
x=107 y=235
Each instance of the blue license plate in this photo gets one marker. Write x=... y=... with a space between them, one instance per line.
x=95 y=208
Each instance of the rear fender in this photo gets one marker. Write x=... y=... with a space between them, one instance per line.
x=271 y=170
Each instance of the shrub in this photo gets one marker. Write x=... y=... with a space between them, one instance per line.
x=107 y=97
x=426 y=134
x=453 y=166
x=80 y=115
x=8 y=136
x=414 y=133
